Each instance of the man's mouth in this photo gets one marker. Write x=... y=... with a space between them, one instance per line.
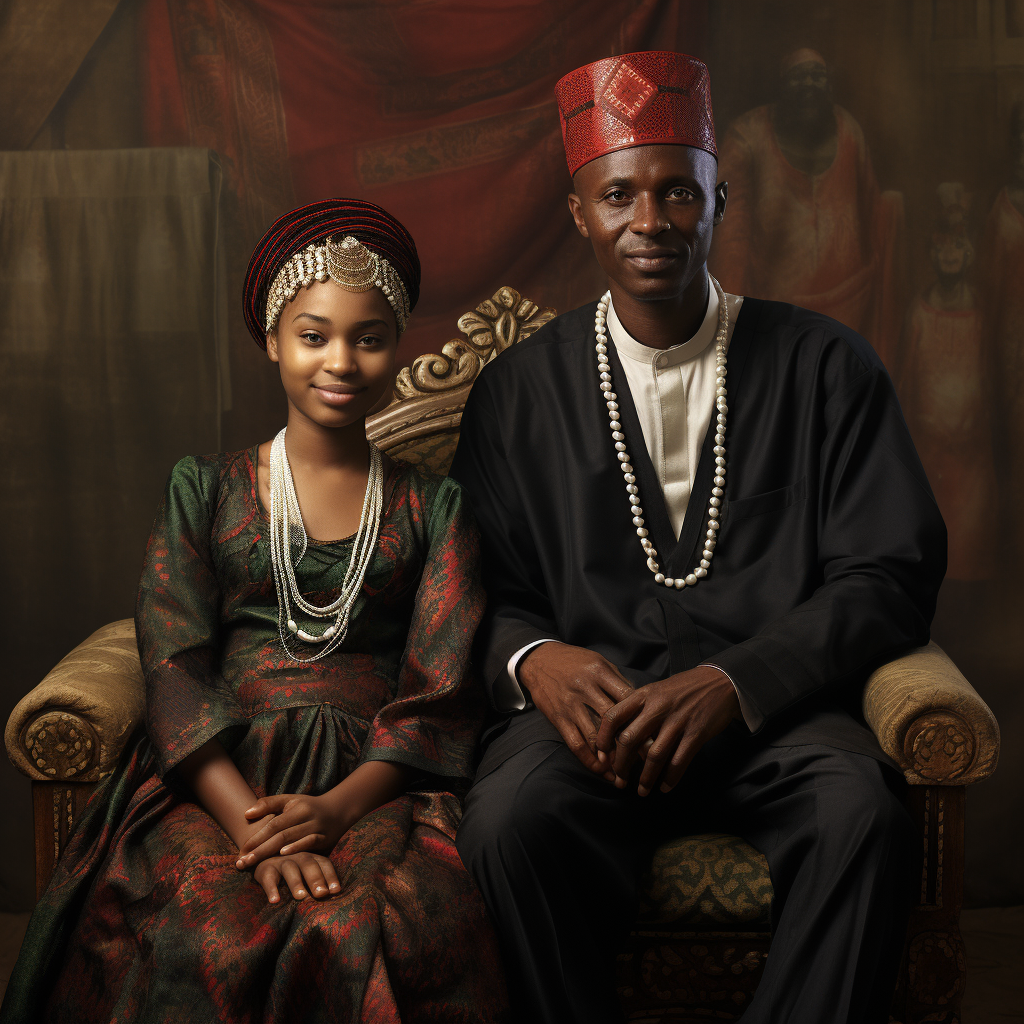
x=653 y=259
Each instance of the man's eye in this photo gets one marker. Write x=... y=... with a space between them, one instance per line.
x=616 y=196
x=680 y=193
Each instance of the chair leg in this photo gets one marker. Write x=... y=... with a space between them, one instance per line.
x=934 y=971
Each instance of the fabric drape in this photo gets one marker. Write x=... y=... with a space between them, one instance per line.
x=112 y=367
x=441 y=112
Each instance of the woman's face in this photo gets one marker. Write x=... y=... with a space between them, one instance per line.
x=336 y=352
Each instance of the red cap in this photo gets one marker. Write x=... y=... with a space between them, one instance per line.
x=637 y=99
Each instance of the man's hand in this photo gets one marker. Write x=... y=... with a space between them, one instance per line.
x=295 y=824
x=680 y=714
x=565 y=682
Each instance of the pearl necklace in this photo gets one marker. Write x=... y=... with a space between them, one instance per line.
x=288 y=533
x=605 y=372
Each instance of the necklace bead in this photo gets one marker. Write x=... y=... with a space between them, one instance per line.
x=622 y=453
x=288 y=542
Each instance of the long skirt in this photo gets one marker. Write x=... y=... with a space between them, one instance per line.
x=147 y=920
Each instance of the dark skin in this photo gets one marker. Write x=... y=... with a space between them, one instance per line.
x=336 y=353
x=649 y=213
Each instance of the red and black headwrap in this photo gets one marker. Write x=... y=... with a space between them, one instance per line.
x=294 y=231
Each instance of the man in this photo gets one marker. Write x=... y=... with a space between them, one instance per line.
x=807 y=222
x=721 y=520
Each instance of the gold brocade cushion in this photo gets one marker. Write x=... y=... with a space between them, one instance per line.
x=433 y=454
x=706 y=882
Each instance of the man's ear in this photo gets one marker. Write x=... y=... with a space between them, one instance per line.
x=272 y=345
x=576 y=209
x=721 y=197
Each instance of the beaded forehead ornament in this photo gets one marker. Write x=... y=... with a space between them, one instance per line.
x=348 y=263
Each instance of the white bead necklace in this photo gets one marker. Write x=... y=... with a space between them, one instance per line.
x=288 y=543
x=605 y=373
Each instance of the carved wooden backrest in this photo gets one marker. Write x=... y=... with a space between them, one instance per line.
x=421 y=426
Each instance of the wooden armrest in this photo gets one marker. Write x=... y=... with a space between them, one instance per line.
x=931 y=721
x=74 y=724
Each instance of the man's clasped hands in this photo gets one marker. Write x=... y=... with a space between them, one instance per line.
x=605 y=721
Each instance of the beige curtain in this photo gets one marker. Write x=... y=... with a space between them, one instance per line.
x=113 y=365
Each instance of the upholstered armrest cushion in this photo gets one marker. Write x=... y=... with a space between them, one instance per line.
x=931 y=721
x=74 y=724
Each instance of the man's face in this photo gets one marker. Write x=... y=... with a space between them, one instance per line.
x=649 y=212
x=804 y=93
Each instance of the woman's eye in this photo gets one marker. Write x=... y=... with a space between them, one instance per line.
x=370 y=339
x=312 y=338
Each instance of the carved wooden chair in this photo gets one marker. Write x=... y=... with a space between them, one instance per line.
x=702 y=933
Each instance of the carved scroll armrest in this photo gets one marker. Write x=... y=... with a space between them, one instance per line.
x=74 y=724
x=931 y=721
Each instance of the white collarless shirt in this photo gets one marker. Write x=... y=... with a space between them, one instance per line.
x=673 y=390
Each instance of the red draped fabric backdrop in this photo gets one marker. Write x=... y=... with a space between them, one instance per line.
x=441 y=111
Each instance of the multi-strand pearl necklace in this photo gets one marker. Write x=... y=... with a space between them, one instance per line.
x=618 y=436
x=288 y=543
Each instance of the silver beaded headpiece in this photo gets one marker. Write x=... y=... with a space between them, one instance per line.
x=348 y=263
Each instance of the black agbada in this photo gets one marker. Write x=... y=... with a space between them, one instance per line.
x=830 y=553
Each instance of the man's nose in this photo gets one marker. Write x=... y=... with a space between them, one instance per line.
x=648 y=216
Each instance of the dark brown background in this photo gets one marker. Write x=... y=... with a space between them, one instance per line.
x=931 y=83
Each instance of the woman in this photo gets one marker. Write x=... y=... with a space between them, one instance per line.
x=279 y=844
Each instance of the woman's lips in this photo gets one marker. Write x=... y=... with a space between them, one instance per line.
x=332 y=397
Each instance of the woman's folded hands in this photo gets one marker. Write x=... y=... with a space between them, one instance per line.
x=298 y=832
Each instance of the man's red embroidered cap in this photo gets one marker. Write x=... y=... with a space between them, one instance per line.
x=638 y=99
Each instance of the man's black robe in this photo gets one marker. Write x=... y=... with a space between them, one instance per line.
x=831 y=549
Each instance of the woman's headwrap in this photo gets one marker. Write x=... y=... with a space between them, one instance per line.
x=355 y=243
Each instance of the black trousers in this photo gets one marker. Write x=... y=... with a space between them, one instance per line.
x=557 y=852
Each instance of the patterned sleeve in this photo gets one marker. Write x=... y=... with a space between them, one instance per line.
x=177 y=622
x=434 y=720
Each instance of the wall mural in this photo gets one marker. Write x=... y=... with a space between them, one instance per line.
x=806 y=221
x=875 y=159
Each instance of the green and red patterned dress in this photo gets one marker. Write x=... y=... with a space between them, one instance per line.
x=147 y=919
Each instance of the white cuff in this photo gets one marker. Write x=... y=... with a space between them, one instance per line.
x=507 y=693
x=745 y=709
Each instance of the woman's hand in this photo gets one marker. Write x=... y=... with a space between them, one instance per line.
x=297 y=824
x=305 y=874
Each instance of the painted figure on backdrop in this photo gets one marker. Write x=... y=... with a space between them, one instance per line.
x=704 y=523
x=278 y=843
x=807 y=223
x=1002 y=283
x=946 y=389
